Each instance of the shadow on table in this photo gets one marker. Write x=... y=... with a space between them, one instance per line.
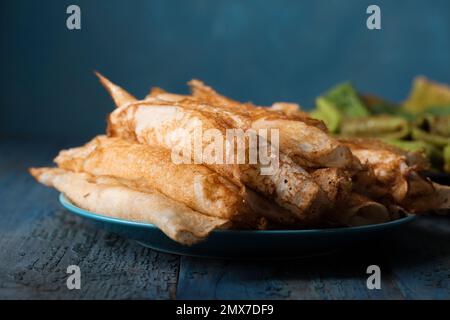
x=422 y=242
x=414 y=263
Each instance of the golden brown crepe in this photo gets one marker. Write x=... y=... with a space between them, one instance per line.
x=149 y=167
x=107 y=196
x=388 y=168
x=379 y=171
x=360 y=211
x=425 y=196
x=301 y=137
x=289 y=109
x=121 y=97
x=167 y=124
x=289 y=185
x=336 y=183
x=304 y=139
x=278 y=110
x=174 y=128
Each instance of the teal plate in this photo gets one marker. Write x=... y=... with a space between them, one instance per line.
x=243 y=244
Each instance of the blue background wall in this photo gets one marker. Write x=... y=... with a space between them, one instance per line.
x=252 y=50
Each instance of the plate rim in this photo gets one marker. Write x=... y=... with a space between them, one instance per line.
x=67 y=204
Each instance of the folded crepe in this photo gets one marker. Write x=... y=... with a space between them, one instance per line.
x=335 y=182
x=107 y=196
x=350 y=207
x=149 y=167
x=386 y=168
x=175 y=128
x=278 y=110
x=289 y=185
x=120 y=96
x=359 y=211
x=425 y=196
x=167 y=124
x=397 y=180
x=302 y=138
x=292 y=110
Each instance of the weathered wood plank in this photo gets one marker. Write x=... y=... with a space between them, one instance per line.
x=422 y=270
x=414 y=264
x=39 y=240
x=319 y=278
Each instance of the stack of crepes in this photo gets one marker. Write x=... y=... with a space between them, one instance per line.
x=320 y=181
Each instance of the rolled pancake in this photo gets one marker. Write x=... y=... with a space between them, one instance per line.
x=172 y=127
x=392 y=177
x=361 y=211
x=121 y=97
x=151 y=167
x=305 y=139
x=301 y=137
x=289 y=109
x=336 y=183
x=426 y=196
x=389 y=166
x=140 y=121
x=167 y=124
x=308 y=145
x=291 y=187
x=282 y=110
x=106 y=196
x=278 y=110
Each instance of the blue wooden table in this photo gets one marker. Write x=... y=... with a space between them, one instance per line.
x=39 y=239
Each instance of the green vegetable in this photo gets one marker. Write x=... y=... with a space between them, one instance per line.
x=432 y=129
x=328 y=113
x=377 y=105
x=382 y=126
x=434 y=139
x=439 y=110
x=420 y=124
x=347 y=101
x=426 y=94
x=431 y=152
x=447 y=158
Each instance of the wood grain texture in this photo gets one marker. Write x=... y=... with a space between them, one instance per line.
x=414 y=262
x=39 y=240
